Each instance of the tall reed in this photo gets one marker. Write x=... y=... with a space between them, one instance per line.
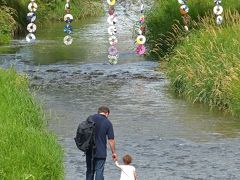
x=205 y=68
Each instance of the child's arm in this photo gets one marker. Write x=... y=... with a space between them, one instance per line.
x=116 y=163
x=135 y=175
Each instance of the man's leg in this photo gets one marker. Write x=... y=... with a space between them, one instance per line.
x=89 y=163
x=99 y=168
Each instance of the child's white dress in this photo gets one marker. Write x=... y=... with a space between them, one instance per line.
x=127 y=171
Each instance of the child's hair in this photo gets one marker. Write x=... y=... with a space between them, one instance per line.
x=127 y=159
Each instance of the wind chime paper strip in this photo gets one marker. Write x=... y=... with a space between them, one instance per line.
x=181 y=2
x=113 y=40
x=141 y=39
x=218 y=10
x=112 y=19
x=184 y=9
x=30 y=37
x=112 y=50
x=68 y=18
x=68 y=40
x=218 y=2
x=31 y=27
x=140 y=50
x=111 y=10
x=31 y=17
x=219 y=20
x=111 y=2
x=68 y=29
x=140 y=31
x=32 y=6
x=112 y=30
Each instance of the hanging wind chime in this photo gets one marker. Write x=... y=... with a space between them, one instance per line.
x=218 y=10
x=141 y=29
x=68 y=18
x=31 y=17
x=112 y=31
x=184 y=9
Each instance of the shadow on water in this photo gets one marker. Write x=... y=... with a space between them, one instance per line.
x=167 y=137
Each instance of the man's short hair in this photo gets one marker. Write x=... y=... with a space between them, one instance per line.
x=103 y=109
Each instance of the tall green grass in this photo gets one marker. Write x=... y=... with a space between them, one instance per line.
x=205 y=66
x=165 y=26
x=7 y=24
x=27 y=150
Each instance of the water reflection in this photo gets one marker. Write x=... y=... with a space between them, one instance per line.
x=90 y=43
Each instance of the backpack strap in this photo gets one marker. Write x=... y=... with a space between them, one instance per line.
x=92 y=163
x=93 y=149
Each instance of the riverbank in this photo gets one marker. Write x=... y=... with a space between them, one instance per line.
x=202 y=65
x=165 y=23
x=13 y=15
x=28 y=150
x=205 y=67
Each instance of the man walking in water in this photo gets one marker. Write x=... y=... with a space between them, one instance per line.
x=104 y=131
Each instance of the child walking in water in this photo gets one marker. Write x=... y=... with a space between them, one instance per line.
x=128 y=172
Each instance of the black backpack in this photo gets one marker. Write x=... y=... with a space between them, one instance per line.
x=85 y=136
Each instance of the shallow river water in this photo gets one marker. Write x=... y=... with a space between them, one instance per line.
x=168 y=138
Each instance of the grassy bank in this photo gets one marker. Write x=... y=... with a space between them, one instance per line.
x=203 y=64
x=205 y=67
x=164 y=22
x=27 y=150
x=13 y=14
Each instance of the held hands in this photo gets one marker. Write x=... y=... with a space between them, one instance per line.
x=114 y=157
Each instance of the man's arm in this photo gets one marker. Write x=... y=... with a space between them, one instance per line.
x=112 y=146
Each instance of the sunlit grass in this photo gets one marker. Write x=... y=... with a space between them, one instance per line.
x=28 y=150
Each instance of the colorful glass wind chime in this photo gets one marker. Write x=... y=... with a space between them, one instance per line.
x=112 y=31
x=218 y=10
x=68 y=18
x=141 y=29
x=184 y=9
x=31 y=17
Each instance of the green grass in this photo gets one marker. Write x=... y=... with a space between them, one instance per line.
x=165 y=26
x=27 y=150
x=205 y=66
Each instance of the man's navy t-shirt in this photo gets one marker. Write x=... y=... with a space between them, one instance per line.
x=104 y=130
